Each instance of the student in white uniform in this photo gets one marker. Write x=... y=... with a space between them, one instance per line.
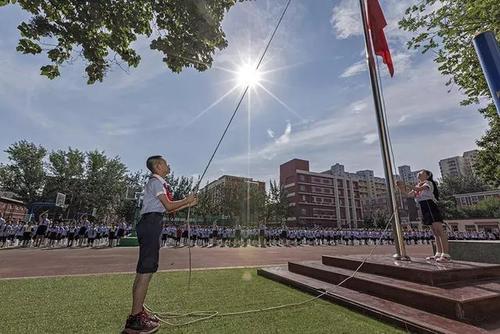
x=426 y=194
x=155 y=205
x=41 y=230
x=3 y=229
x=91 y=235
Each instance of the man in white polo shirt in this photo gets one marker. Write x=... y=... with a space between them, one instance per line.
x=155 y=204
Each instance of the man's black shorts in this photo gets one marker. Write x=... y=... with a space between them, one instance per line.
x=148 y=234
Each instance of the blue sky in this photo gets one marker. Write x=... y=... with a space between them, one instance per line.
x=315 y=67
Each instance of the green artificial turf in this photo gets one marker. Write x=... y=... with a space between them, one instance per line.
x=100 y=304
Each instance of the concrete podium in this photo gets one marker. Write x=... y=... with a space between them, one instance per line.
x=486 y=251
x=424 y=297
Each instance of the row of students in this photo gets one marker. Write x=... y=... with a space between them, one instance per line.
x=57 y=234
x=203 y=236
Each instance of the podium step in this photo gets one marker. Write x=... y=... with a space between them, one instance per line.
x=473 y=303
x=418 y=270
x=403 y=316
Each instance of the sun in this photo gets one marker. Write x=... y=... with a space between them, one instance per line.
x=248 y=75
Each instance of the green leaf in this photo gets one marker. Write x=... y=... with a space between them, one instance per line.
x=50 y=71
x=6 y=2
x=27 y=46
x=188 y=32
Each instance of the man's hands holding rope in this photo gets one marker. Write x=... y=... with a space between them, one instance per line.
x=191 y=200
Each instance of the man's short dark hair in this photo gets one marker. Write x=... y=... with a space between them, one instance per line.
x=152 y=161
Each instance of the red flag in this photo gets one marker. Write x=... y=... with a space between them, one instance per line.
x=377 y=23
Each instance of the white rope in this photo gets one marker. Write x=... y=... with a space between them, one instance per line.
x=165 y=317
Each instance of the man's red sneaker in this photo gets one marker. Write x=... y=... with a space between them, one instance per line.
x=140 y=324
x=151 y=317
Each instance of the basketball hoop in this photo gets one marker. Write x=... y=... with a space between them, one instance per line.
x=60 y=200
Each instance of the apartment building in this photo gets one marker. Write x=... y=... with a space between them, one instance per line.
x=320 y=198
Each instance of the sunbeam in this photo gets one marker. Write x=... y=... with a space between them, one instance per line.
x=219 y=100
x=281 y=102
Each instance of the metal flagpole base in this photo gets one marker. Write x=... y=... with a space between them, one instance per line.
x=401 y=258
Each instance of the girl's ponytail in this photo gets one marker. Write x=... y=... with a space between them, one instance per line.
x=434 y=185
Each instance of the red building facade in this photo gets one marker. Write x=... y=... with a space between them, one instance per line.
x=320 y=198
x=12 y=208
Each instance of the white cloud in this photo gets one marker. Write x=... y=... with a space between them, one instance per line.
x=358 y=106
x=285 y=137
x=354 y=69
x=402 y=62
x=414 y=100
x=270 y=133
x=346 y=18
x=370 y=138
x=346 y=23
x=403 y=118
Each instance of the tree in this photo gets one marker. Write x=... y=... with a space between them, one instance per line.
x=487 y=162
x=25 y=175
x=253 y=205
x=450 y=209
x=377 y=219
x=128 y=205
x=453 y=185
x=450 y=186
x=278 y=202
x=447 y=28
x=186 y=32
x=126 y=210
x=231 y=198
x=487 y=208
x=207 y=206
x=104 y=184
x=65 y=175
x=242 y=203
x=181 y=187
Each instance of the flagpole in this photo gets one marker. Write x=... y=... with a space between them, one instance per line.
x=384 y=142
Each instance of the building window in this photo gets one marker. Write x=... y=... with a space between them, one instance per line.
x=303 y=212
x=470 y=228
x=302 y=177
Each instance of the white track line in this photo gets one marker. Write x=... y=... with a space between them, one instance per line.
x=133 y=272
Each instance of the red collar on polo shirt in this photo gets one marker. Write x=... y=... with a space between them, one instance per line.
x=166 y=187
